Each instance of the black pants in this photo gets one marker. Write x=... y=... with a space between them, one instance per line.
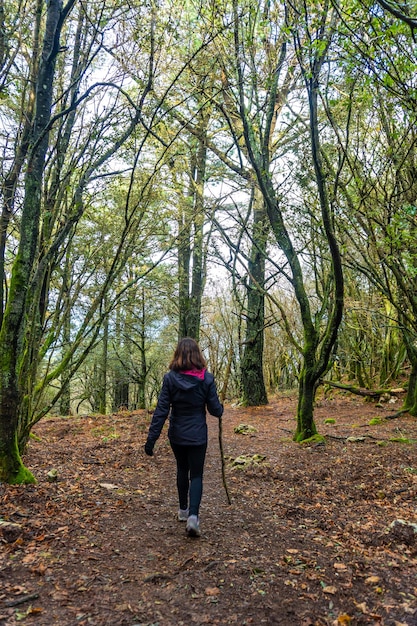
x=190 y=467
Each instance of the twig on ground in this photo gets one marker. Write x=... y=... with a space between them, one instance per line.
x=21 y=600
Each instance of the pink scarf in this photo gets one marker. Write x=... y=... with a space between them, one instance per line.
x=198 y=373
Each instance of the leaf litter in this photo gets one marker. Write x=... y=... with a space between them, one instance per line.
x=318 y=535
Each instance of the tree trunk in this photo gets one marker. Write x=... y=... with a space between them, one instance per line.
x=10 y=183
x=191 y=257
x=65 y=399
x=320 y=329
x=143 y=367
x=13 y=352
x=184 y=261
x=411 y=399
x=410 y=403
x=102 y=390
x=253 y=384
x=197 y=282
x=120 y=377
x=306 y=427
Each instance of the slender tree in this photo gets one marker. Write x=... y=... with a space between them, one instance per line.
x=320 y=334
x=379 y=216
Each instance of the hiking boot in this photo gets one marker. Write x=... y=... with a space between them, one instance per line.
x=193 y=528
x=182 y=515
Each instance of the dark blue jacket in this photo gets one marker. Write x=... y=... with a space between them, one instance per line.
x=187 y=397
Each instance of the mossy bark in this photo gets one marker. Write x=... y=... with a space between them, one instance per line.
x=12 y=469
x=306 y=427
x=15 y=350
x=321 y=327
x=253 y=383
x=253 y=386
x=410 y=403
x=65 y=400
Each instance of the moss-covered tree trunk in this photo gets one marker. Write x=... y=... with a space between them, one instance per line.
x=307 y=386
x=12 y=469
x=410 y=402
x=13 y=349
x=319 y=344
x=411 y=399
x=252 y=374
x=320 y=328
x=65 y=400
x=9 y=184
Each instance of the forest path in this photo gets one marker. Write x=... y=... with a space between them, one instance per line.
x=306 y=541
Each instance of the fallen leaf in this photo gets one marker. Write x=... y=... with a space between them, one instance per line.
x=372 y=580
x=40 y=569
x=343 y=620
x=330 y=589
x=18 y=589
x=35 y=610
x=29 y=558
x=212 y=591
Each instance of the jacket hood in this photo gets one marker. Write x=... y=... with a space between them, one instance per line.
x=185 y=381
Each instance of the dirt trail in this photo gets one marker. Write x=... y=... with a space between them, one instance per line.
x=306 y=542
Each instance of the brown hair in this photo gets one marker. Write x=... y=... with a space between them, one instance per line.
x=187 y=356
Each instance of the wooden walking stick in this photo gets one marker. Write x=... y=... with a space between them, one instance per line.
x=222 y=460
x=222 y=397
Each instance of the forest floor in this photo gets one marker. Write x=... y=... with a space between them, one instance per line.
x=316 y=535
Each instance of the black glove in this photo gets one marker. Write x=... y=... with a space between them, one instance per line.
x=149 y=448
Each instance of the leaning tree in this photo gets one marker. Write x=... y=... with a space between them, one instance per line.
x=308 y=35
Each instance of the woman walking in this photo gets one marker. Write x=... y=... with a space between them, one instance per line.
x=188 y=389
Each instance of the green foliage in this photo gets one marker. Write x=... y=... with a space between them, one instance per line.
x=402 y=439
x=375 y=421
x=311 y=441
